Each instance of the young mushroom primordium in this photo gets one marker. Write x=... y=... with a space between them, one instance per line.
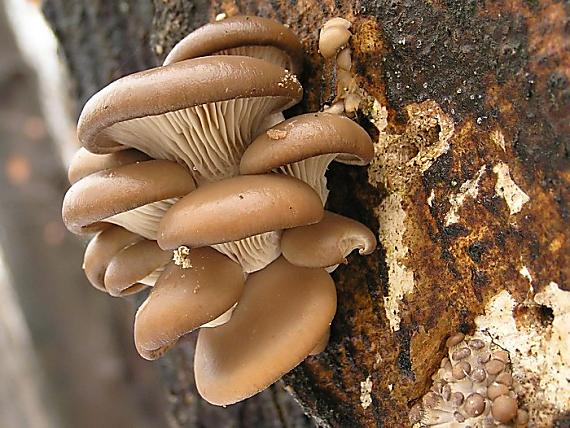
x=195 y=157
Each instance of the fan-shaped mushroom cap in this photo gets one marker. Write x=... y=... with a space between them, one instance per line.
x=115 y=190
x=307 y=136
x=127 y=271
x=85 y=163
x=284 y=312
x=327 y=242
x=101 y=250
x=304 y=145
x=203 y=112
x=184 y=299
x=242 y=35
x=239 y=207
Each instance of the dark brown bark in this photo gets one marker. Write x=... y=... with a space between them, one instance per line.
x=487 y=69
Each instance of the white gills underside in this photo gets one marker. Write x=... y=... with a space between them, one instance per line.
x=311 y=171
x=151 y=278
x=143 y=220
x=267 y=53
x=209 y=139
x=254 y=252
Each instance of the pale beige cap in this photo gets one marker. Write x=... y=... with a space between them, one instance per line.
x=184 y=299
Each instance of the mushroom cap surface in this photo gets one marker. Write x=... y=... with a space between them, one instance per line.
x=178 y=86
x=105 y=193
x=282 y=315
x=306 y=136
x=133 y=264
x=236 y=32
x=101 y=250
x=327 y=242
x=85 y=163
x=184 y=299
x=238 y=207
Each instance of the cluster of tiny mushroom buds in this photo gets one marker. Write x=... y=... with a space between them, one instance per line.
x=195 y=185
x=333 y=42
x=472 y=388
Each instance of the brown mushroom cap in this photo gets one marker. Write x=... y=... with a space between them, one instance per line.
x=327 y=242
x=101 y=250
x=184 y=299
x=284 y=312
x=132 y=265
x=236 y=32
x=239 y=207
x=306 y=136
x=178 y=86
x=85 y=163
x=116 y=190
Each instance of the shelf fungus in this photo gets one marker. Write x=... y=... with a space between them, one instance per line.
x=192 y=183
x=472 y=388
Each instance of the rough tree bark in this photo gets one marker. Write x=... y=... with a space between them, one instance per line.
x=469 y=189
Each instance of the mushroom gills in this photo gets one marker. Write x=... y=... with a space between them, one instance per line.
x=209 y=138
x=254 y=252
x=143 y=220
x=151 y=278
x=267 y=53
x=311 y=171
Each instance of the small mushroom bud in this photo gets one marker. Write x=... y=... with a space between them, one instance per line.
x=474 y=405
x=454 y=340
x=494 y=367
x=460 y=354
x=484 y=357
x=495 y=390
x=462 y=369
x=504 y=378
x=478 y=375
x=504 y=408
x=501 y=355
x=476 y=344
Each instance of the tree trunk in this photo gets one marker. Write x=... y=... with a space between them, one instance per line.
x=468 y=191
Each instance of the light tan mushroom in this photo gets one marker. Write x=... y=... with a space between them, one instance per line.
x=238 y=207
x=135 y=268
x=107 y=194
x=304 y=145
x=200 y=112
x=85 y=163
x=101 y=250
x=326 y=243
x=284 y=312
x=334 y=36
x=184 y=299
x=242 y=35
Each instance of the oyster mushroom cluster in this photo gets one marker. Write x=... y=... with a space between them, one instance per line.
x=472 y=388
x=191 y=182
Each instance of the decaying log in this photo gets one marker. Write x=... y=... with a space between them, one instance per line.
x=469 y=102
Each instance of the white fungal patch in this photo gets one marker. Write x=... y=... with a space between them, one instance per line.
x=540 y=352
x=508 y=189
x=365 y=390
x=525 y=273
x=431 y=198
x=378 y=115
x=391 y=217
x=498 y=138
x=181 y=257
x=469 y=189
